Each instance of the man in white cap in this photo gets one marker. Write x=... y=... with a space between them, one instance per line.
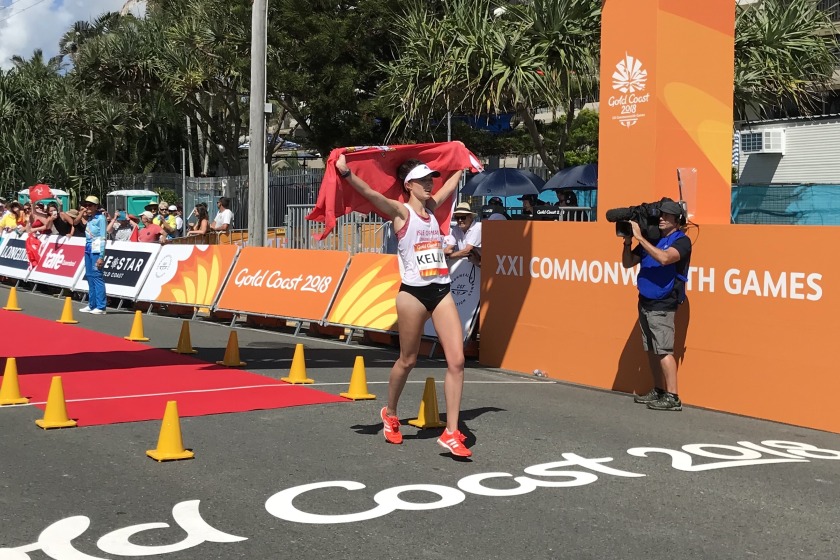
x=467 y=234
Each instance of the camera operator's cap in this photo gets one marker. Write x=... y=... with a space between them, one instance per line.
x=419 y=172
x=671 y=207
x=463 y=209
x=92 y=200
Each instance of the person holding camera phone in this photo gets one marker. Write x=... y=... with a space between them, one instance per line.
x=661 y=283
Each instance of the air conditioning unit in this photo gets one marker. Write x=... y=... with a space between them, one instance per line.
x=767 y=141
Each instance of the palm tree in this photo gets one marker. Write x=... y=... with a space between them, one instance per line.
x=783 y=55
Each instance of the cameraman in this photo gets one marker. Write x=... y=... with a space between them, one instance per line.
x=661 y=283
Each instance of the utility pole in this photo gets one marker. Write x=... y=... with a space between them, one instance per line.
x=257 y=190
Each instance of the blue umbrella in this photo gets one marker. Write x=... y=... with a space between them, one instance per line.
x=577 y=177
x=506 y=181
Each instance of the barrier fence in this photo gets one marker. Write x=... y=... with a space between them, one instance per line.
x=327 y=288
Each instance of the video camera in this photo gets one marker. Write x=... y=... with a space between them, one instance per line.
x=645 y=214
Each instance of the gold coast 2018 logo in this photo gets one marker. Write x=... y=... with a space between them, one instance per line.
x=630 y=80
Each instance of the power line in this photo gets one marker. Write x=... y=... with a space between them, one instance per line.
x=10 y=4
x=20 y=11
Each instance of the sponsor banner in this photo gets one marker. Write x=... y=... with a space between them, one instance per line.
x=466 y=280
x=666 y=103
x=367 y=297
x=188 y=274
x=13 y=261
x=62 y=261
x=762 y=308
x=291 y=283
x=126 y=266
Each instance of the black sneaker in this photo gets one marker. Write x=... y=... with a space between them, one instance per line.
x=666 y=402
x=652 y=395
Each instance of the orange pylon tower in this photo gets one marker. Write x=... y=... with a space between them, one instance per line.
x=428 y=417
x=184 y=342
x=55 y=414
x=231 y=358
x=67 y=313
x=10 y=389
x=297 y=374
x=170 y=446
x=136 y=334
x=358 y=389
x=11 y=303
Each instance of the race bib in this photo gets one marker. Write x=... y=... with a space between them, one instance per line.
x=430 y=259
x=96 y=245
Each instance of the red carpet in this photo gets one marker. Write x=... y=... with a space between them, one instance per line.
x=107 y=379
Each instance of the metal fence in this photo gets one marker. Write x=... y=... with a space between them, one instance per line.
x=355 y=233
x=289 y=186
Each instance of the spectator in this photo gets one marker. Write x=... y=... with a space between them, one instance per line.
x=39 y=221
x=467 y=234
x=449 y=245
x=495 y=210
x=15 y=220
x=175 y=210
x=529 y=201
x=165 y=220
x=566 y=197
x=151 y=232
x=79 y=222
x=224 y=218
x=202 y=220
x=62 y=224
x=121 y=227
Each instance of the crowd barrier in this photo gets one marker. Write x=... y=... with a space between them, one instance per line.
x=325 y=288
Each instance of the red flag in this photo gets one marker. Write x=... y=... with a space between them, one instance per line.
x=39 y=192
x=33 y=250
x=135 y=234
x=377 y=166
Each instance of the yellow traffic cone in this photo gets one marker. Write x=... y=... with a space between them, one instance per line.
x=9 y=389
x=232 y=352
x=170 y=446
x=67 y=312
x=55 y=414
x=297 y=375
x=184 y=342
x=136 y=334
x=358 y=390
x=428 y=417
x=11 y=303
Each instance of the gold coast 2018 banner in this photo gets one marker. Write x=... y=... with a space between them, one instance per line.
x=666 y=103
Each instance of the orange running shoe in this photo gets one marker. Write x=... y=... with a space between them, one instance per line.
x=454 y=443
x=391 y=427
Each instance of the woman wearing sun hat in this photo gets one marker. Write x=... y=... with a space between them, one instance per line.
x=96 y=232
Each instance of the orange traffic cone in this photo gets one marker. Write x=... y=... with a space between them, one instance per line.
x=136 y=334
x=55 y=414
x=9 y=389
x=232 y=352
x=184 y=342
x=358 y=390
x=297 y=375
x=11 y=303
x=170 y=446
x=428 y=417
x=67 y=312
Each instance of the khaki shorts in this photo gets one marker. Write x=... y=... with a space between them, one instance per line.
x=657 y=331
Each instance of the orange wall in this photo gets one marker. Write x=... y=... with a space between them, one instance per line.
x=741 y=349
x=676 y=107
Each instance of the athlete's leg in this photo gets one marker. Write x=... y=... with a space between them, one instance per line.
x=451 y=336
x=411 y=316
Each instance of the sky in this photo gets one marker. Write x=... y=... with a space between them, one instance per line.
x=26 y=25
